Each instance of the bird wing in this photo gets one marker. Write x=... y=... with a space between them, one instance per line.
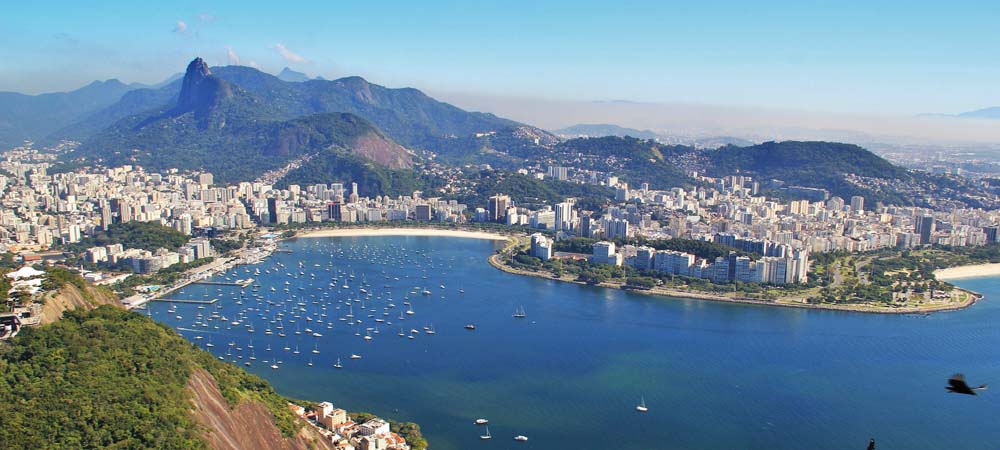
x=957 y=381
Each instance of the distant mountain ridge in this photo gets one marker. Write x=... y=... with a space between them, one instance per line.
x=33 y=117
x=985 y=113
x=222 y=127
x=406 y=115
x=292 y=76
x=603 y=129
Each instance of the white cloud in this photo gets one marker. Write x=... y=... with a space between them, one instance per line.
x=289 y=55
x=180 y=27
x=253 y=64
x=234 y=59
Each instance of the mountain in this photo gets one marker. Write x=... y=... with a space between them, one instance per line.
x=292 y=76
x=985 y=113
x=405 y=115
x=33 y=117
x=222 y=127
x=600 y=130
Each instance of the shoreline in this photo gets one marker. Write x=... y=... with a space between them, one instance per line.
x=373 y=231
x=970 y=271
x=970 y=297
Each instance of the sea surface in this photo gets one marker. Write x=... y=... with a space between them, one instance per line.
x=570 y=374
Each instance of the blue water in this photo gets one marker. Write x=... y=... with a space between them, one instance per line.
x=715 y=376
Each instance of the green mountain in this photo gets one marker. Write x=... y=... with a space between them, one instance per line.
x=34 y=117
x=405 y=115
x=220 y=126
x=634 y=160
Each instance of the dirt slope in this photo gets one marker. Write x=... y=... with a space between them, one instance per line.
x=70 y=297
x=248 y=426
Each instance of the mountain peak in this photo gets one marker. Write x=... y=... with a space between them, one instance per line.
x=287 y=74
x=200 y=89
x=197 y=68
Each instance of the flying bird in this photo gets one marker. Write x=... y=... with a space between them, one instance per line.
x=957 y=385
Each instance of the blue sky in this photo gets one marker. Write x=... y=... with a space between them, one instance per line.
x=857 y=57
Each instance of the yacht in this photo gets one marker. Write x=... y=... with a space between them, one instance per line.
x=521 y=438
x=482 y=421
x=338 y=365
x=519 y=313
x=642 y=406
x=353 y=356
x=487 y=435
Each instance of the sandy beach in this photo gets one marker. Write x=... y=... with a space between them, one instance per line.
x=345 y=232
x=974 y=271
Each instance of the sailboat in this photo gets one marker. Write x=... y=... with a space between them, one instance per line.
x=642 y=406
x=487 y=435
x=519 y=313
x=338 y=365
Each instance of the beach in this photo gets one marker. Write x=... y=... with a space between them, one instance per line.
x=973 y=271
x=346 y=232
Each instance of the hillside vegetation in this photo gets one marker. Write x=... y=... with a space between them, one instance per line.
x=108 y=378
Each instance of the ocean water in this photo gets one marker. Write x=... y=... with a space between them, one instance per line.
x=569 y=375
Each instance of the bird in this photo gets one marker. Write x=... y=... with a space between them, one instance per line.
x=871 y=444
x=957 y=385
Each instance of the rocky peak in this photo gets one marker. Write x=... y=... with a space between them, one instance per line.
x=200 y=89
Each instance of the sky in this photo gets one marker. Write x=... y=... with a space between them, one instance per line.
x=853 y=57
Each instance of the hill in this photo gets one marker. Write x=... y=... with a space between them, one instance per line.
x=844 y=170
x=634 y=160
x=222 y=127
x=108 y=378
x=33 y=117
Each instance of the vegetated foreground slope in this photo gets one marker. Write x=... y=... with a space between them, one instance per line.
x=109 y=378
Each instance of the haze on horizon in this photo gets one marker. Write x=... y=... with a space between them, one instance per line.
x=866 y=69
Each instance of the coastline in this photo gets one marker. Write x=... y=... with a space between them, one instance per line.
x=970 y=297
x=971 y=271
x=435 y=232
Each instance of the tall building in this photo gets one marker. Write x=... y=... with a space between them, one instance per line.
x=423 y=212
x=497 y=207
x=564 y=216
x=925 y=228
x=272 y=210
x=857 y=204
x=991 y=233
x=334 y=211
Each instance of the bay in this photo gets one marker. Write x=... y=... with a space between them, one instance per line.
x=569 y=375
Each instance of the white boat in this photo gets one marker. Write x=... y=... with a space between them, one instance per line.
x=521 y=438
x=487 y=435
x=338 y=365
x=519 y=313
x=642 y=406
x=353 y=356
x=482 y=421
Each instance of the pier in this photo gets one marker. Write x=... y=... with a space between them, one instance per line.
x=175 y=300
x=240 y=283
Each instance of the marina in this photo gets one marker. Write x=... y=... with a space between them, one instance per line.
x=691 y=364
